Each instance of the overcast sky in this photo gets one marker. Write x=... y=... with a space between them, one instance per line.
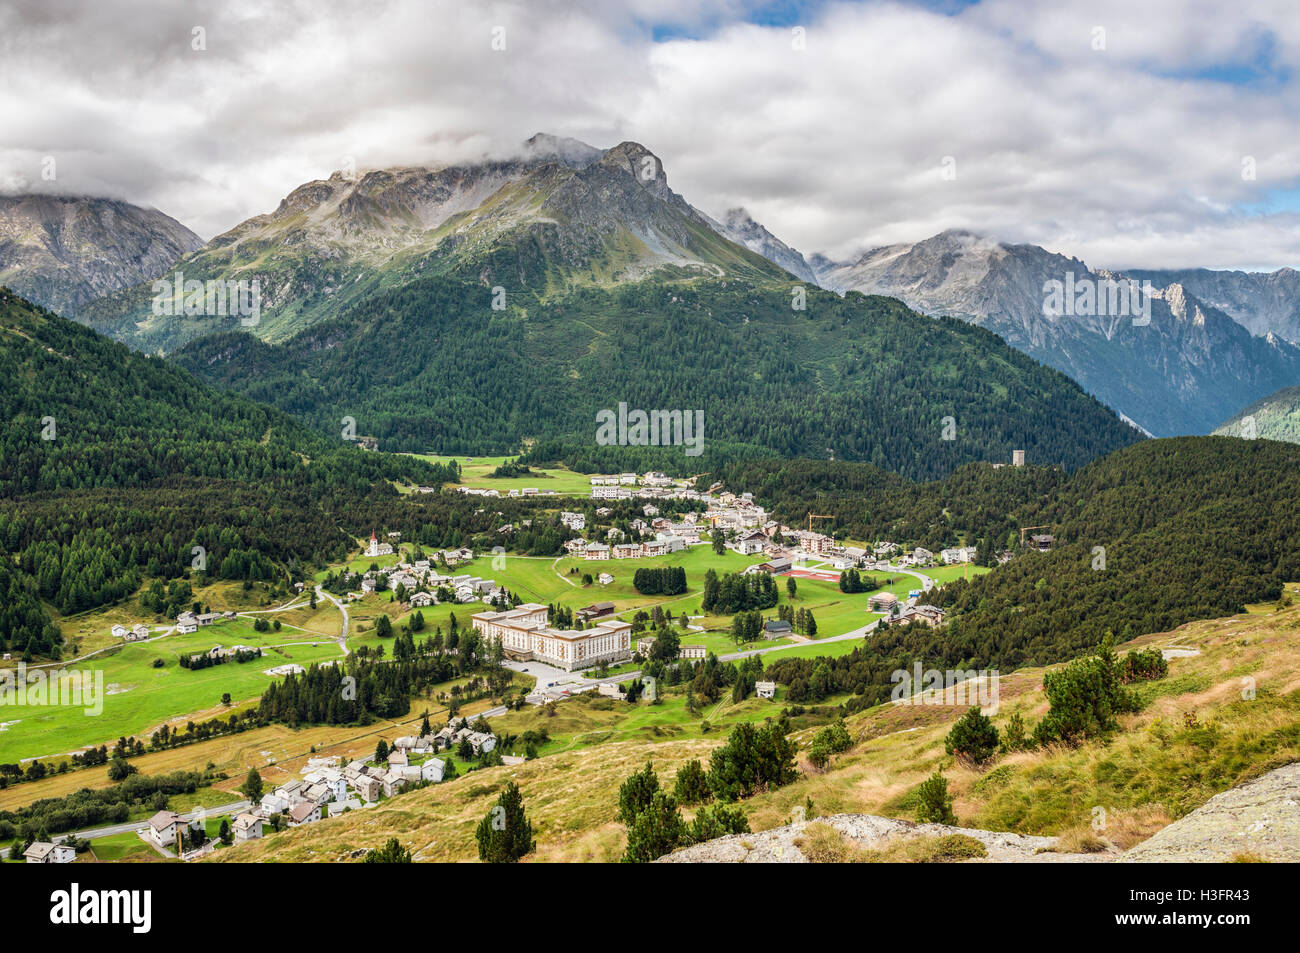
x=1160 y=134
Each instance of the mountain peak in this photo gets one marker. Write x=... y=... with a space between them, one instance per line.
x=639 y=162
x=63 y=251
x=568 y=151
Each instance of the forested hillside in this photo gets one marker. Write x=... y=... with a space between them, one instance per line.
x=116 y=465
x=1147 y=538
x=433 y=367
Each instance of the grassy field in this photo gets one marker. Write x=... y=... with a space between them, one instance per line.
x=139 y=697
x=122 y=848
x=1195 y=737
x=277 y=751
x=476 y=472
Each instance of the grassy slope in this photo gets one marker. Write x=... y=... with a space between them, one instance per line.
x=1155 y=770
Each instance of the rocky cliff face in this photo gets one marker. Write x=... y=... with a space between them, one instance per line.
x=1262 y=302
x=62 y=252
x=740 y=227
x=1183 y=371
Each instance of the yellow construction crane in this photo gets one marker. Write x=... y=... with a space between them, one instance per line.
x=818 y=516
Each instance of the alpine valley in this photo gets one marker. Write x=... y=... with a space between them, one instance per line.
x=357 y=576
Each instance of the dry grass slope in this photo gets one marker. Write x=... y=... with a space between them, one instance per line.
x=1223 y=716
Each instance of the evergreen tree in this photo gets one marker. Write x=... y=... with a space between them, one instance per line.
x=391 y=853
x=505 y=834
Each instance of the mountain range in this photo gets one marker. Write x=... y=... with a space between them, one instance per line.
x=557 y=216
x=1184 y=369
x=65 y=251
x=560 y=216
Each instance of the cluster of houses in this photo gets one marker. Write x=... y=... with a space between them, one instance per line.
x=898 y=612
x=652 y=485
x=326 y=787
x=523 y=491
x=422 y=581
x=669 y=537
x=190 y=622
x=136 y=633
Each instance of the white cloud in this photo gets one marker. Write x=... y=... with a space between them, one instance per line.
x=1127 y=155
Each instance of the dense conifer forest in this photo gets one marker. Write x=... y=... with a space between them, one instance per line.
x=431 y=366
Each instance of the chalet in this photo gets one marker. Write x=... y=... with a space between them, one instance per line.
x=960 y=554
x=575 y=521
x=481 y=741
x=575 y=547
x=398 y=759
x=187 y=623
x=421 y=600
x=597 y=610
x=305 y=812
x=162 y=828
x=119 y=632
x=432 y=770
x=207 y=618
x=1042 y=542
x=751 y=544
x=776 y=565
x=650 y=510
x=921 y=556
x=42 y=852
x=928 y=615
x=765 y=689
x=247 y=827
x=138 y=633
x=604 y=579
x=596 y=551
x=627 y=551
x=777 y=629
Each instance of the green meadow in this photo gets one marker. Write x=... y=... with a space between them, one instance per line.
x=476 y=472
x=138 y=697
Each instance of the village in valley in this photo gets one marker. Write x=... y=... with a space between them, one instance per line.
x=628 y=595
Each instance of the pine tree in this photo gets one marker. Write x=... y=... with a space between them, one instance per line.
x=252 y=787
x=505 y=834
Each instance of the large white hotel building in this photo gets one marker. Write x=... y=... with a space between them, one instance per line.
x=525 y=634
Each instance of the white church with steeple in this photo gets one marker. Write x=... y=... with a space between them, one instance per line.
x=377 y=548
